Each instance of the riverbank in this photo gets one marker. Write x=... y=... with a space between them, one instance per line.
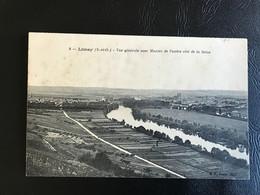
x=163 y=132
x=77 y=153
x=208 y=129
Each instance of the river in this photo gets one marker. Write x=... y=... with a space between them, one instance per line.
x=124 y=113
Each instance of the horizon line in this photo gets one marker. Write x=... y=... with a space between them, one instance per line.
x=141 y=88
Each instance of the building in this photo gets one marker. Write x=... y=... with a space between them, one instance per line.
x=179 y=97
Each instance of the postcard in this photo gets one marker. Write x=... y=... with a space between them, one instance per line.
x=137 y=106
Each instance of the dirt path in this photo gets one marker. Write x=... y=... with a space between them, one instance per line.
x=122 y=150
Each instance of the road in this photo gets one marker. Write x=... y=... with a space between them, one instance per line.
x=122 y=150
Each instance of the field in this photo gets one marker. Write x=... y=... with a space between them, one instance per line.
x=203 y=119
x=56 y=144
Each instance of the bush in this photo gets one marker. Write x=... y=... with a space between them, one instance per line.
x=85 y=158
x=187 y=143
x=102 y=161
x=178 y=140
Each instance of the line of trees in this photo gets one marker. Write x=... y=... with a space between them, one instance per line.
x=133 y=103
x=230 y=138
x=111 y=107
x=42 y=105
x=85 y=105
x=225 y=156
x=215 y=152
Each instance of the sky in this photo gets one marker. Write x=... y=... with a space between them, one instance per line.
x=53 y=62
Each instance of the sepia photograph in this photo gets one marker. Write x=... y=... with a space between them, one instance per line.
x=137 y=107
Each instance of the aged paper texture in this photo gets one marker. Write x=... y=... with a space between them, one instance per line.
x=137 y=106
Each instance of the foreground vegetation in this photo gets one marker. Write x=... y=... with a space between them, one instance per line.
x=102 y=162
x=56 y=146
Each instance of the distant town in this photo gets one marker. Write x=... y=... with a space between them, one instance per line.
x=231 y=107
x=99 y=132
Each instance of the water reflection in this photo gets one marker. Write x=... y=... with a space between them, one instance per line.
x=123 y=113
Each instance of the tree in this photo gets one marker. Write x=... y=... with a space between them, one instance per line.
x=102 y=161
x=167 y=138
x=225 y=155
x=187 y=142
x=178 y=140
x=151 y=132
x=158 y=135
x=141 y=129
x=122 y=122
